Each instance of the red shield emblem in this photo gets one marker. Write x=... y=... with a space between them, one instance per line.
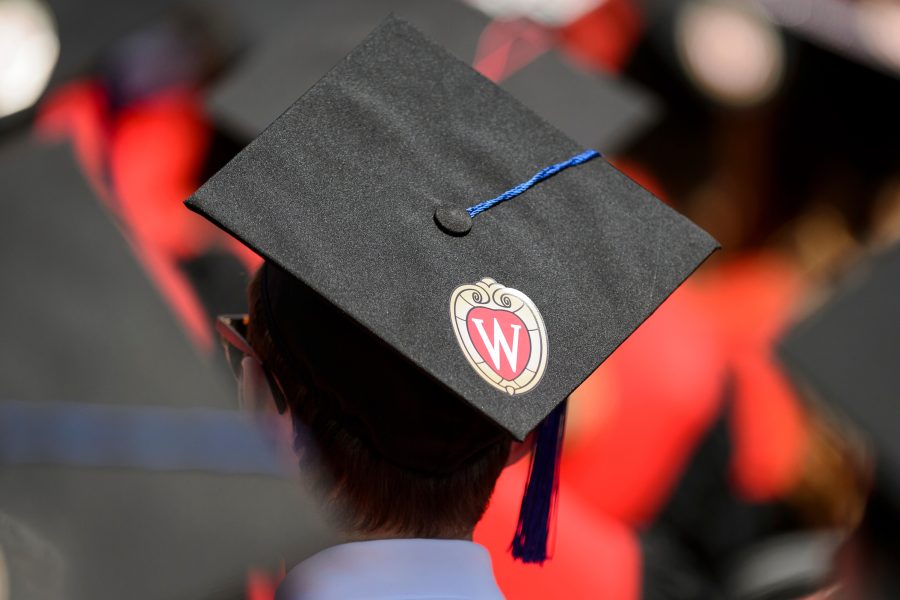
x=501 y=333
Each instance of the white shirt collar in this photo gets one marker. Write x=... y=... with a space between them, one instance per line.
x=393 y=569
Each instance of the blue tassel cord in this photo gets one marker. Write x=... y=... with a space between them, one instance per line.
x=539 y=501
x=533 y=529
x=538 y=177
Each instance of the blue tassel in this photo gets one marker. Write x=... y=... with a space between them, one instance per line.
x=533 y=529
x=538 y=177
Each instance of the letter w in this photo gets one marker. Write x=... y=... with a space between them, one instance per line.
x=493 y=348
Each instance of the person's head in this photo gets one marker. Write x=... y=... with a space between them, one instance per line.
x=392 y=451
x=373 y=191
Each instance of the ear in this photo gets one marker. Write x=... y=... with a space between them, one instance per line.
x=519 y=450
x=255 y=393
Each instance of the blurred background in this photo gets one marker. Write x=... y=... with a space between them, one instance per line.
x=709 y=457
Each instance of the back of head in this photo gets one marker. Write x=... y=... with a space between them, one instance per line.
x=393 y=451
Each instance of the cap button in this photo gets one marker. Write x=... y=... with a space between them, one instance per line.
x=452 y=220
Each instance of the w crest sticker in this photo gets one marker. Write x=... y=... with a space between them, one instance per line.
x=501 y=333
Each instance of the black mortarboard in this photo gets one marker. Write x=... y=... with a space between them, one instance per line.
x=117 y=448
x=84 y=309
x=360 y=191
x=593 y=109
x=848 y=353
x=149 y=502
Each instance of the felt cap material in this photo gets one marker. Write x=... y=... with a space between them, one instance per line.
x=341 y=192
x=594 y=109
x=848 y=354
x=88 y=324
x=121 y=449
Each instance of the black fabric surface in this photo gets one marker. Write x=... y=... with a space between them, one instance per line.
x=82 y=324
x=89 y=28
x=127 y=533
x=30 y=567
x=279 y=69
x=220 y=281
x=848 y=353
x=593 y=109
x=445 y=433
x=341 y=192
x=83 y=321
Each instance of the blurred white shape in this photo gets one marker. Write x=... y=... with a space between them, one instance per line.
x=879 y=27
x=29 y=48
x=729 y=51
x=553 y=12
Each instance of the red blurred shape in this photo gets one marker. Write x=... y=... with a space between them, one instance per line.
x=645 y=409
x=155 y=157
x=506 y=46
x=144 y=161
x=751 y=299
x=605 y=37
x=78 y=112
x=261 y=585
x=593 y=556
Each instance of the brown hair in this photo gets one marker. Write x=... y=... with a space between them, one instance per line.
x=369 y=493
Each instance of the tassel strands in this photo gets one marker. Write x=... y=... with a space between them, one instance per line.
x=539 y=501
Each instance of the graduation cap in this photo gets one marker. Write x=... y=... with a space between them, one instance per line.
x=149 y=502
x=496 y=259
x=89 y=326
x=846 y=353
x=593 y=109
x=120 y=449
